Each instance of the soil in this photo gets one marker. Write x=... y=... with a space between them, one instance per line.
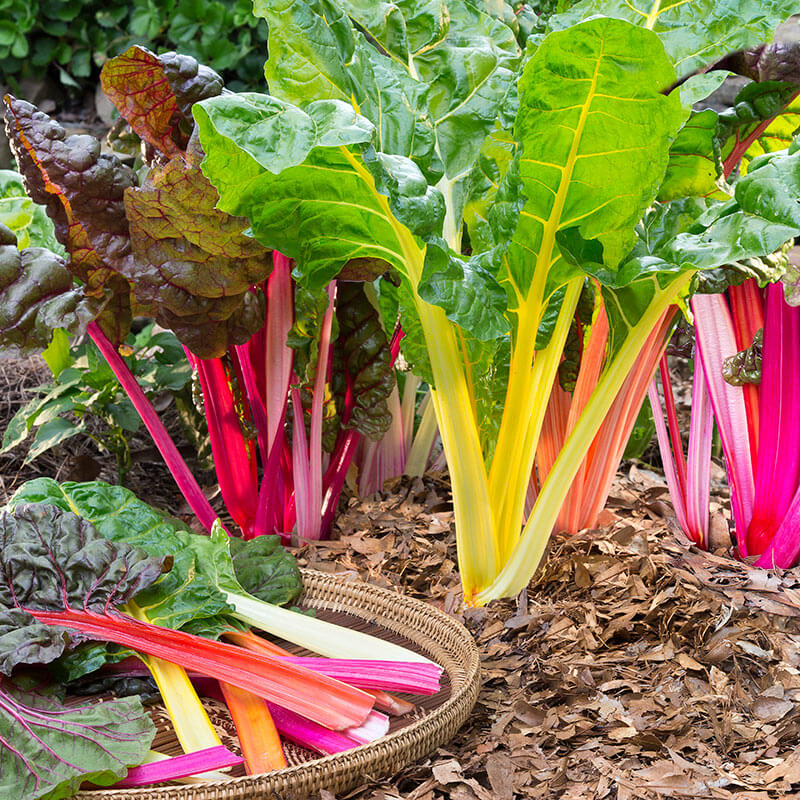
x=633 y=667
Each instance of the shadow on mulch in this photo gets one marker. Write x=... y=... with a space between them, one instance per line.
x=633 y=667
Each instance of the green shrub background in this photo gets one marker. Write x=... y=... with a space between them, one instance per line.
x=73 y=38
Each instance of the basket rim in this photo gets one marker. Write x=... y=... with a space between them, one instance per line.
x=387 y=754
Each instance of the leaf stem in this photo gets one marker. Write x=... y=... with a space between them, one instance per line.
x=187 y=483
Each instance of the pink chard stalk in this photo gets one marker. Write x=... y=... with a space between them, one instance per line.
x=756 y=421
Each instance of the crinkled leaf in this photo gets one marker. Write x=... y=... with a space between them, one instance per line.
x=695 y=32
x=397 y=305
x=362 y=351
x=82 y=190
x=466 y=289
x=779 y=61
x=193 y=264
x=51 y=749
x=210 y=324
x=265 y=570
x=763 y=119
x=305 y=195
x=418 y=206
x=694 y=160
x=664 y=221
x=761 y=218
x=673 y=229
x=53 y=559
x=86 y=659
x=315 y=53
x=155 y=94
x=37 y=296
x=468 y=59
x=764 y=215
x=482 y=185
x=492 y=383
x=191 y=81
x=745 y=366
x=182 y=597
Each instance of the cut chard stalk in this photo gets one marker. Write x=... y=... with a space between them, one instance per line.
x=317 y=635
x=322 y=699
x=165 y=768
x=310 y=735
x=398 y=676
x=258 y=737
x=375 y=726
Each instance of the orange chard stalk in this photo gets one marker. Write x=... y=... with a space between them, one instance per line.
x=586 y=497
x=258 y=737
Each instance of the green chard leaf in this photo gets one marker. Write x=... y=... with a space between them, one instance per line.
x=468 y=58
x=288 y=170
x=28 y=221
x=695 y=32
x=482 y=186
x=265 y=570
x=694 y=160
x=316 y=54
x=594 y=150
x=762 y=216
x=466 y=289
x=191 y=595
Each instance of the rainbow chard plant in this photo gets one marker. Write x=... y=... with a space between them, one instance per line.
x=746 y=380
x=284 y=421
x=746 y=346
x=365 y=153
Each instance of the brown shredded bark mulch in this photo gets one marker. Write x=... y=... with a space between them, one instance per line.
x=634 y=666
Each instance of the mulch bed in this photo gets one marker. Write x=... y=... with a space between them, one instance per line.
x=633 y=667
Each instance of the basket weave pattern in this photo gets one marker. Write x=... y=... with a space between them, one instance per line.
x=431 y=631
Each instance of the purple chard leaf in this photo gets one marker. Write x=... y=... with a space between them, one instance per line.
x=194 y=267
x=82 y=191
x=155 y=94
x=37 y=294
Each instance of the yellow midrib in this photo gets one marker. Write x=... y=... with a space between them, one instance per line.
x=528 y=553
x=522 y=394
x=545 y=255
x=477 y=544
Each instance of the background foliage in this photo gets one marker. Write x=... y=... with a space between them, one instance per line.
x=72 y=39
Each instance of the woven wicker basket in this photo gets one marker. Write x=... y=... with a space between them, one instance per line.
x=400 y=618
